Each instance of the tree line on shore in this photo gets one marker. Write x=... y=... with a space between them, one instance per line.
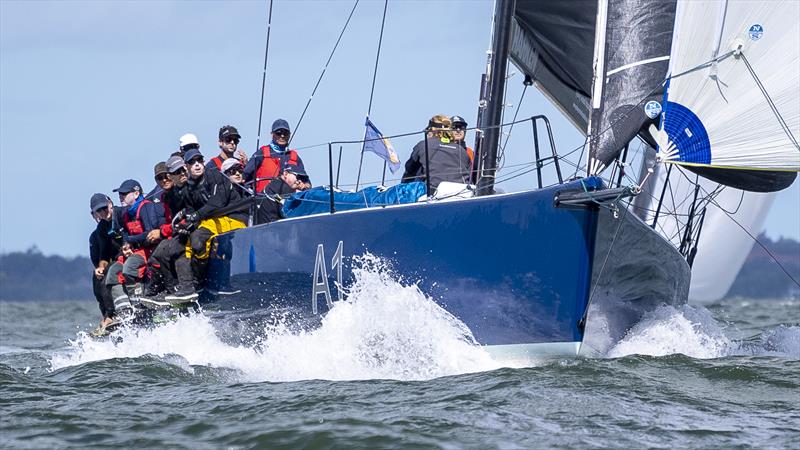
x=33 y=276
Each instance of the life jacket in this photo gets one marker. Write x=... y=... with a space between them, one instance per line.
x=217 y=162
x=135 y=226
x=270 y=166
x=166 y=228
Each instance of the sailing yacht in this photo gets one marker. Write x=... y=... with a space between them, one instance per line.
x=565 y=268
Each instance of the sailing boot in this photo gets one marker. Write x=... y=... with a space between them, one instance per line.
x=155 y=285
x=122 y=304
x=186 y=291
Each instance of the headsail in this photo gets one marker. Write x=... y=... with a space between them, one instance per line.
x=733 y=97
x=632 y=43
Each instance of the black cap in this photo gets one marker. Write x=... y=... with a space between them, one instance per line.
x=98 y=201
x=458 y=119
x=227 y=132
x=128 y=186
x=280 y=124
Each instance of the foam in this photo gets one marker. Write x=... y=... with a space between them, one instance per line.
x=384 y=329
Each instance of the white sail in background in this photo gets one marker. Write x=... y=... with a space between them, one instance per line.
x=724 y=245
x=717 y=114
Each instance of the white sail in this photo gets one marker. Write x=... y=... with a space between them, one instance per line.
x=723 y=245
x=725 y=114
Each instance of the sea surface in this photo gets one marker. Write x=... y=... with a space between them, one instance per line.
x=387 y=370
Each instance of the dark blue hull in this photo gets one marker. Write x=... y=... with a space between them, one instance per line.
x=514 y=268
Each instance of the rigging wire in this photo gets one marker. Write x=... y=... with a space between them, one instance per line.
x=371 y=94
x=500 y=158
x=323 y=72
x=774 y=108
x=264 y=77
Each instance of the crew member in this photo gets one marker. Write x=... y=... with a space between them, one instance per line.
x=104 y=245
x=459 y=126
x=447 y=161
x=228 y=142
x=187 y=142
x=160 y=261
x=291 y=180
x=140 y=216
x=209 y=197
x=266 y=163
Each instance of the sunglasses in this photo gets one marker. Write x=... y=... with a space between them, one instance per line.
x=233 y=171
x=460 y=128
x=281 y=133
x=102 y=210
x=231 y=141
x=162 y=177
x=181 y=171
x=194 y=161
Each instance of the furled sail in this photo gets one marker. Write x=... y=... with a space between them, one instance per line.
x=631 y=58
x=733 y=97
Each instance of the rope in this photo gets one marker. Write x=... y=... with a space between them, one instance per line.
x=371 y=94
x=323 y=72
x=264 y=77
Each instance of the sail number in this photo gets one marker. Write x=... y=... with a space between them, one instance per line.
x=320 y=283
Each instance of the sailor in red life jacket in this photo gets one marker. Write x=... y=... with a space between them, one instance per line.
x=166 y=249
x=139 y=218
x=265 y=164
x=229 y=139
x=459 y=126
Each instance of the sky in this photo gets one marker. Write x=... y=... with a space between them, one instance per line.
x=95 y=92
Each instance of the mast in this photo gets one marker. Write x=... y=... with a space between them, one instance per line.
x=492 y=113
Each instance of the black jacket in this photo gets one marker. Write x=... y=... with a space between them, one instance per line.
x=270 y=209
x=449 y=161
x=211 y=194
x=104 y=243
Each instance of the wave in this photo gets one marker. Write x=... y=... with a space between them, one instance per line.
x=693 y=331
x=384 y=329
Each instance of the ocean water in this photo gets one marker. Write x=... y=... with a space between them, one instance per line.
x=388 y=369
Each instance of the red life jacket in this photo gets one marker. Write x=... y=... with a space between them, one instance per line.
x=271 y=167
x=217 y=162
x=135 y=226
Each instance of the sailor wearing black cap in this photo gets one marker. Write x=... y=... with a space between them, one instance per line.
x=292 y=179
x=229 y=138
x=266 y=163
x=104 y=247
x=459 y=126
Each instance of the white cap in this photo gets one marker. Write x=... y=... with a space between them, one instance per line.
x=187 y=139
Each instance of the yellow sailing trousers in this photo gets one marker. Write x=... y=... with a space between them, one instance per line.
x=216 y=226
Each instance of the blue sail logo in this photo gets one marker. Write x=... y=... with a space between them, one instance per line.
x=652 y=109
x=755 y=32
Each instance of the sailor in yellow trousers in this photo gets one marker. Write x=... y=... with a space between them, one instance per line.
x=208 y=197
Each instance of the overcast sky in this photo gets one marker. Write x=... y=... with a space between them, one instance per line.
x=92 y=93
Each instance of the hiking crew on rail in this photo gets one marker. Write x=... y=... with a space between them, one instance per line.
x=153 y=249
